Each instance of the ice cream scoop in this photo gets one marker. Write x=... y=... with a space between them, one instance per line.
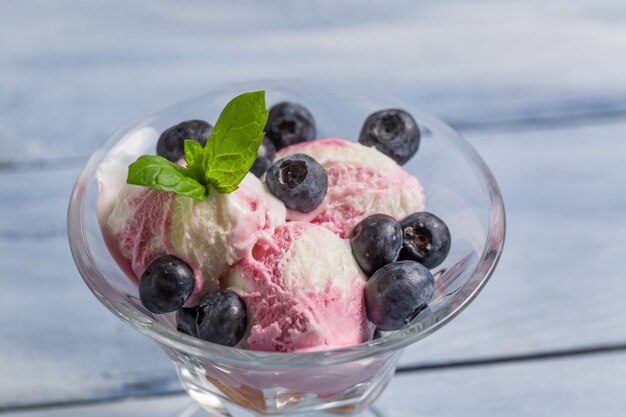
x=361 y=181
x=209 y=235
x=300 y=296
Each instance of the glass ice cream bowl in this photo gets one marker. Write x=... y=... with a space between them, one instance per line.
x=229 y=381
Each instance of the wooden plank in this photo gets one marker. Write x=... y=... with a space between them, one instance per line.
x=559 y=282
x=33 y=205
x=468 y=63
x=167 y=406
x=545 y=295
x=56 y=341
x=573 y=387
x=592 y=386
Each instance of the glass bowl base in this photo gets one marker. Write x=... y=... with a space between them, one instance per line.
x=195 y=410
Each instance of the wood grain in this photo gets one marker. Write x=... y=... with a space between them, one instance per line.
x=510 y=75
x=105 y=63
x=558 y=286
x=573 y=388
x=559 y=282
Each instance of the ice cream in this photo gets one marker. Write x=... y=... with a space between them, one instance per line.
x=209 y=235
x=295 y=271
x=361 y=181
x=267 y=264
x=299 y=297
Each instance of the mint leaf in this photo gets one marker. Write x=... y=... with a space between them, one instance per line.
x=234 y=142
x=222 y=164
x=161 y=174
x=194 y=156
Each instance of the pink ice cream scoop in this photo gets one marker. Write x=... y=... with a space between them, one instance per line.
x=303 y=290
x=209 y=235
x=361 y=181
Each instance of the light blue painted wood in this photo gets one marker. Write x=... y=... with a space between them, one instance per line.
x=73 y=72
x=170 y=406
x=558 y=286
x=567 y=387
x=559 y=283
x=572 y=387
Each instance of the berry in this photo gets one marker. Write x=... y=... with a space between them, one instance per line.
x=171 y=144
x=377 y=334
x=299 y=181
x=395 y=292
x=376 y=241
x=289 y=123
x=186 y=321
x=265 y=157
x=166 y=284
x=394 y=132
x=426 y=239
x=221 y=318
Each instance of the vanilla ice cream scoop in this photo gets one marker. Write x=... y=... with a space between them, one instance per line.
x=361 y=181
x=209 y=235
x=303 y=290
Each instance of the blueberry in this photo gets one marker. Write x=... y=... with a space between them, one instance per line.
x=289 y=123
x=171 y=142
x=394 y=132
x=265 y=157
x=426 y=239
x=221 y=318
x=299 y=181
x=377 y=334
x=186 y=321
x=376 y=241
x=166 y=284
x=395 y=292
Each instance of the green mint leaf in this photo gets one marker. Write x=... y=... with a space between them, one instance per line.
x=194 y=156
x=223 y=163
x=162 y=174
x=234 y=142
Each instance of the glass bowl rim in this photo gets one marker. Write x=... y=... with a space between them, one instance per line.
x=170 y=337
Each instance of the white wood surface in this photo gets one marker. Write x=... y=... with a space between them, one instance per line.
x=559 y=284
x=538 y=87
x=168 y=406
x=73 y=72
x=579 y=387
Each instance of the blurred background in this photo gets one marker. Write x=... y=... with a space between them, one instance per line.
x=539 y=88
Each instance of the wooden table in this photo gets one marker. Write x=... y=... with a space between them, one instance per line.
x=538 y=88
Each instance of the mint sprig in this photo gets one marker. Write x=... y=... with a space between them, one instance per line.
x=222 y=164
x=194 y=157
x=160 y=173
x=234 y=142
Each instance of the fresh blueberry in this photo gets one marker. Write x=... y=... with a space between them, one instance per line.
x=299 y=181
x=289 y=123
x=186 y=321
x=166 y=284
x=221 y=318
x=395 y=292
x=171 y=144
x=394 y=132
x=377 y=334
x=264 y=158
x=426 y=239
x=376 y=241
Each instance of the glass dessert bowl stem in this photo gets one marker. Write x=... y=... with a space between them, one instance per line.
x=335 y=389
